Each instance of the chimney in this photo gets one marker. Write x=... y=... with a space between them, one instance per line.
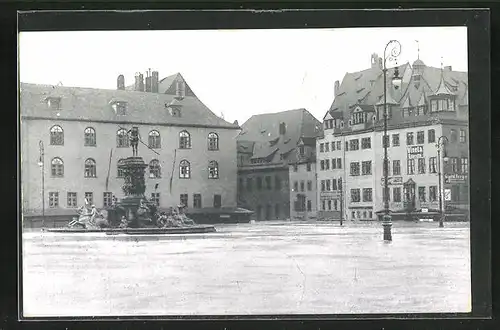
x=148 y=83
x=235 y=123
x=380 y=63
x=141 y=82
x=375 y=60
x=447 y=68
x=120 y=82
x=282 y=128
x=336 y=88
x=154 y=82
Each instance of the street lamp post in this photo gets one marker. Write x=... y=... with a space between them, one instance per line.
x=442 y=141
x=395 y=50
x=41 y=163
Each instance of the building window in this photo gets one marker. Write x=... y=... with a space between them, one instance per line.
x=89 y=196
x=259 y=183
x=213 y=141
x=309 y=185
x=184 y=199
x=213 y=170
x=411 y=166
x=395 y=140
x=329 y=205
x=323 y=205
x=56 y=136
x=327 y=164
x=431 y=136
x=249 y=184
x=409 y=138
x=308 y=167
x=321 y=147
x=453 y=135
x=327 y=187
x=154 y=169
x=53 y=199
x=322 y=185
x=421 y=165
x=421 y=194
x=432 y=193
x=217 y=201
x=184 y=140
x=366 y=143
x=89 y=137
x=464 y=165
x=322 y=164
x=90 y=168
x=396 y=194
x=396 y=167
x=327 y=148
x=120 y=173
x=421 y=109
x=309 y=206
x=367 y=195
x=420 y=137
x=122 y=140
x=355 y=168
x=334 y=184
x=346 y=146
x=107 y=199
x=197 y=201
x=355 y=196
x=385 y=141
x=334 y=163
x=462 y=136
x=54 y=103
x=155 y=198
x=454 y=165
x=71 y=199
x=302 y=186
x=333 y=146
x=339 y=163
x=267 y=180
x=366 y=167
x=154 y=140
x=120 y=108
x=57 y=168
x=354 y=144
x=432 y=165
x=339 y=145
x=184 y=169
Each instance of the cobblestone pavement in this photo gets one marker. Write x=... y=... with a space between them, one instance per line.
x=271 y=268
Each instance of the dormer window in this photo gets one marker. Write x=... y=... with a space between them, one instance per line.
x=120 y=108
x=358 y=117
x=54 y=103
x=301 y=151
x=175 y=112
x=446 y=104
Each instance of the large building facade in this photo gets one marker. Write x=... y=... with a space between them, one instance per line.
x=429 y=112
x=190 y=152
x=267 y=146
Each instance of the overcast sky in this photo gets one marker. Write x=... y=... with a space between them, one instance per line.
x=235 y=72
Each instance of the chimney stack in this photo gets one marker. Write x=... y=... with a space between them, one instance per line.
x=139 y=82
x=336 y=88
x=380 y=63
x=120 y=82
x=148 y=83
x=154 y=82
x=375 y=60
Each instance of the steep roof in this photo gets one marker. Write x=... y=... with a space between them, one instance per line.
x=90 y=104
x=263 y=130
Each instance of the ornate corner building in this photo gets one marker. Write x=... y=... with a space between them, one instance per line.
x=428 y=143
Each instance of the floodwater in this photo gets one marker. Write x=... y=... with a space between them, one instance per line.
x=271 y=268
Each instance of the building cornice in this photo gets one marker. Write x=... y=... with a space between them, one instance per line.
x=123 y=122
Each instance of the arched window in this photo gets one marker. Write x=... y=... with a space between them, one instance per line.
x=56 y=135
x=184 y=169
x=154 y=140
x=154 y=169
x=184 y=140
x=90 y=168
x=122 y=138
x=213 y=170
x=89 y=136
x=57 y=167
x=213 y=141
x=120 y=173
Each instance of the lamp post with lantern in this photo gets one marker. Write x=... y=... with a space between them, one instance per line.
x=395 y=49
x=441 y=143
x=41 y=164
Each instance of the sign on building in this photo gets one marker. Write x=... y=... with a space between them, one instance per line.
x=455 y=178
x=415 y=152
x=329 y=195
x=393 y=180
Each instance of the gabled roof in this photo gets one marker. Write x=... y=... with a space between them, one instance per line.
x=443 y=89
x=264 y=128
x=90 y=104
x=365 y=107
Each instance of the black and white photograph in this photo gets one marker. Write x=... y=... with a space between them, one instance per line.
x=245 y=172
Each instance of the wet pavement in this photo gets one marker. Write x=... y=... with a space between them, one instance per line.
x=271 y=268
